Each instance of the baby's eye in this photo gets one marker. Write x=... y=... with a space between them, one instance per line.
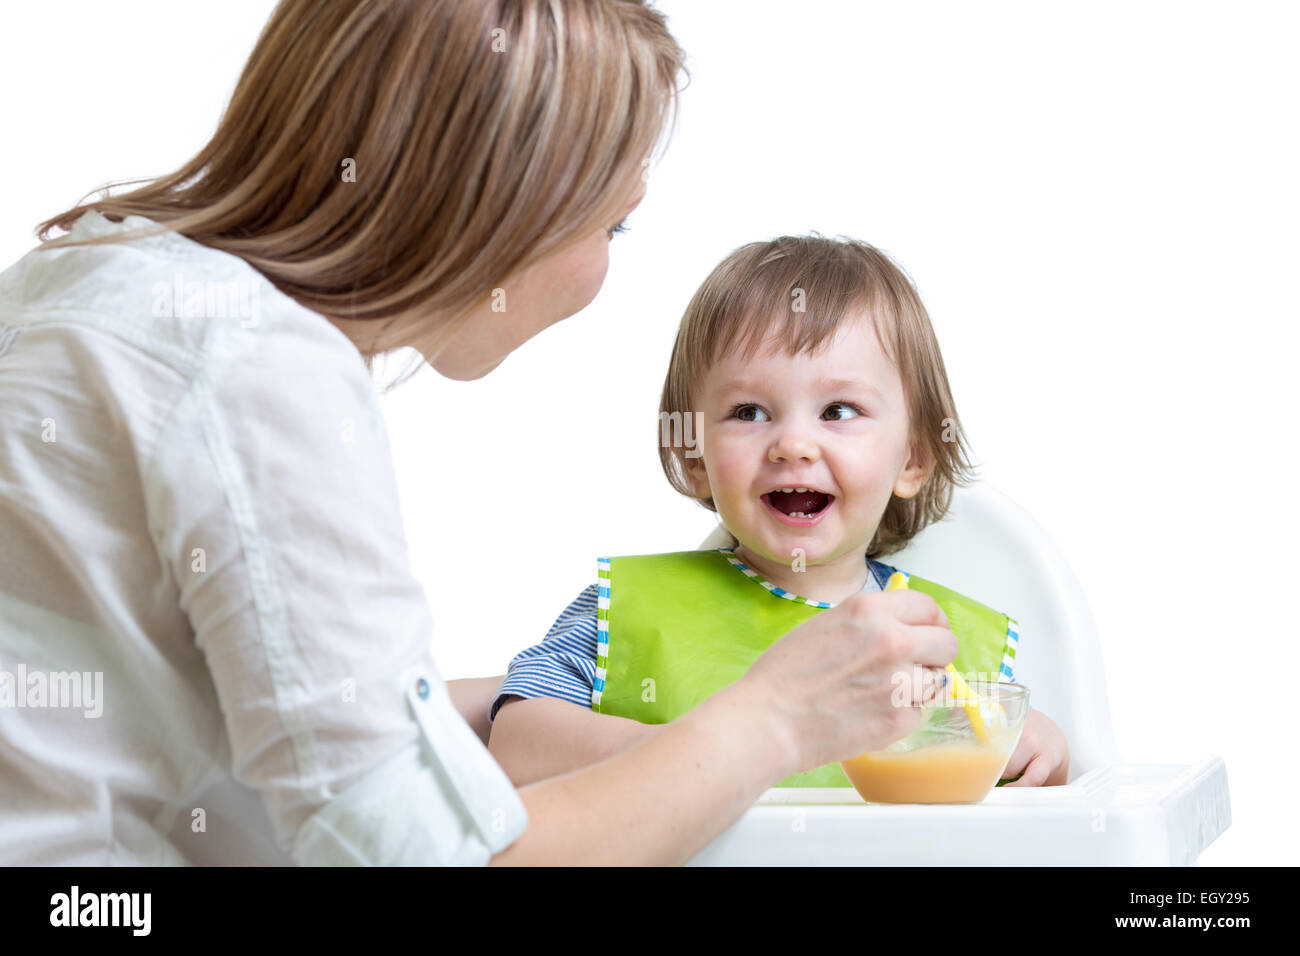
x=742 y=408
x=843 y=405
x=620 y=228
x=741 y=411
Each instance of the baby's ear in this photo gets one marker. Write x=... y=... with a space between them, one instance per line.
x=920 y=466
x=697 y=476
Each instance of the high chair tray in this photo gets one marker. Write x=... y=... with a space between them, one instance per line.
x=1121 y=815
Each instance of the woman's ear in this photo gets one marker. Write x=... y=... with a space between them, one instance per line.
x=916 y=472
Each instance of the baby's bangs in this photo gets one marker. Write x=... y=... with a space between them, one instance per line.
x=770 y=310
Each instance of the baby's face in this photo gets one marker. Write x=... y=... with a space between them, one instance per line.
x=835 y=422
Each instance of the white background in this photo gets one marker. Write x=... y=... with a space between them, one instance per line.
x=1098 y=203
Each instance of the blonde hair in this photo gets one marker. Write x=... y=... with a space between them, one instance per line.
x=485 y=134
x=750 y=293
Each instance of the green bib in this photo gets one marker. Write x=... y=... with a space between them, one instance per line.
x=673 y=629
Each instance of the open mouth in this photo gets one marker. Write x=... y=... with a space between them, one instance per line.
x=798 y=502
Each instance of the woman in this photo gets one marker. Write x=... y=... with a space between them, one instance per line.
x=199 y=511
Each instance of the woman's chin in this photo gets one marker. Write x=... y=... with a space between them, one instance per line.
x=463 y=372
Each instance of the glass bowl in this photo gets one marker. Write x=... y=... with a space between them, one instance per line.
x=943 y=760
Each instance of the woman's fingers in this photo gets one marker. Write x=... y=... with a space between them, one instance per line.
x=914 y=607
x=930 y=641
x=926 y=684
x=931 y=683
x=934 y=646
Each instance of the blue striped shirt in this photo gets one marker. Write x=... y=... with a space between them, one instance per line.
x=564 y=664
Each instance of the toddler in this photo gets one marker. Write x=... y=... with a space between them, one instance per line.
x=806 y=403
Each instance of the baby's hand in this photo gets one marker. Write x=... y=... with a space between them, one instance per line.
x=1041 y=758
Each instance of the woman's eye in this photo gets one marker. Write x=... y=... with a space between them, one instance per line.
x=620 y=228
x=842 y=405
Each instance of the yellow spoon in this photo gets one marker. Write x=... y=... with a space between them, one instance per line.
x=898 y=581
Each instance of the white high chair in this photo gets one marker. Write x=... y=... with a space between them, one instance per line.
x=1110 y=813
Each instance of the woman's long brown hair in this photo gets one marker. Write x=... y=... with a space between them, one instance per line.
x=387 y=158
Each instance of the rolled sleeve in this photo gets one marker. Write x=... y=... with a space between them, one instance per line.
x=454 y=804
x=275 y=508
x=563 y=665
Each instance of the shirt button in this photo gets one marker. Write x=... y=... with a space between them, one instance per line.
x=422 y=688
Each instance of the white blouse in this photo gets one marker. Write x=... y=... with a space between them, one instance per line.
x=212 y=647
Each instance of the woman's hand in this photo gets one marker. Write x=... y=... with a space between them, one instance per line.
x=1042 y=757
x=849 y=679
x=826 y=691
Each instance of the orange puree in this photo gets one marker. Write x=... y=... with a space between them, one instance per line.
x=944 y=773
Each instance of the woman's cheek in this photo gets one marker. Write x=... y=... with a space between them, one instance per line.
x=597 y=268
x=581 y=272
